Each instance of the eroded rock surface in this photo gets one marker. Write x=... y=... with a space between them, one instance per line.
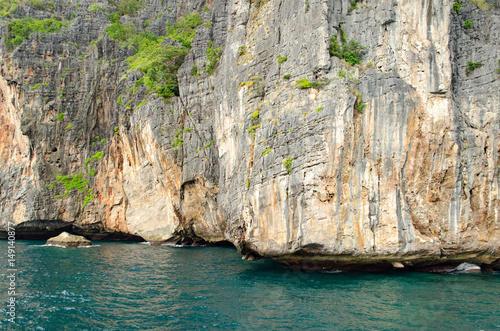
x=314 y=180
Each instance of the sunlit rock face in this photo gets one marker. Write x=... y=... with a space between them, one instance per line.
x=393 y=161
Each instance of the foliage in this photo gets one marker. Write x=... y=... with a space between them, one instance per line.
x=353 y=5
x=159 y=62
x=140 y=104
x=89 y=197
x=130 y=7
x=482 y=4
x=213 y=55
x=498 y=70
x=8 y=7
x=126 y=33
x=288 y=165
x=177 y=142
x=259 y=3
x=319 y=109
x=359 y=104
x=60 y=117
x=468 y=24
x=318 y=84
x=255 y=116
x=287 y=76
x=304 y=83
x=96 y=156
x=194 y=71
x=281 y=59
x=94 y=7
x=267 y=151
x=184 y=30
x=352 y=51
x=20 y=29
x=253 y=128
x=456 y=7
x=114 y=17
x=242 y=50
x=156 y=59
x=78 y=181
x=471 y=66
x=37 y=4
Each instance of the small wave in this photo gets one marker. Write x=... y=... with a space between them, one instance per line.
x=180 y=245
x=173 y=245
x=61 y=246
x=331 y=271
x=67 y=293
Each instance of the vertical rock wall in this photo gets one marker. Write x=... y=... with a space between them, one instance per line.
x=297 y=174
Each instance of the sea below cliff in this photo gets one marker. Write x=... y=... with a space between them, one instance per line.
x=121 y=286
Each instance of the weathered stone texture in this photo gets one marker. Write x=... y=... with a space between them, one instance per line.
x=412 y=178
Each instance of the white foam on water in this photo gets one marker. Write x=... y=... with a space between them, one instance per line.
x=179 y=246
x=61 y=246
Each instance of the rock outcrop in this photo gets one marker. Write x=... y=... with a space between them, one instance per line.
x=392 y=161
x=69 y=241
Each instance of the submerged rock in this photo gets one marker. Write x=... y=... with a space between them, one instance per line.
x=69 y=240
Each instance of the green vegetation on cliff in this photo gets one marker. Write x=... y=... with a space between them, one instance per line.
x=127 y=7
x=156 y=57
x=288 y=165
x=20 y=29
x=351 y=51
x=213 y=55
x=8 y=7
x=184 y=30
x=353 y=5
x=79 y=181
x=481 y=4
x=471 y=66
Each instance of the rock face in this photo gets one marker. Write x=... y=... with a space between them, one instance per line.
x=394 y=161
x=69 y=240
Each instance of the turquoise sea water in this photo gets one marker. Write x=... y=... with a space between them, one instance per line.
x=121 y=286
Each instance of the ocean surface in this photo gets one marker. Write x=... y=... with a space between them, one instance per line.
x=133 y=286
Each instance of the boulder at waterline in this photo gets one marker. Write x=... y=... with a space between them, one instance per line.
x=69 y=240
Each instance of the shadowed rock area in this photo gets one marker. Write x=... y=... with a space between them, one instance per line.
x=259 y=132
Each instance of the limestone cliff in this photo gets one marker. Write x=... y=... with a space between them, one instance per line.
x=281 y=149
